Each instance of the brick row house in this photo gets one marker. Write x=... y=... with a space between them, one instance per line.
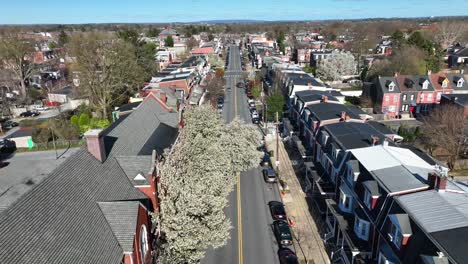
x=414 y=94
x=96 y=206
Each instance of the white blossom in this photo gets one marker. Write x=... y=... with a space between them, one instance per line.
x=338 y=64
x=196 y=179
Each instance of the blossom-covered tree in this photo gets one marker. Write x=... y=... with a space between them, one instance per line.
x=338 y=64
x=196 y=178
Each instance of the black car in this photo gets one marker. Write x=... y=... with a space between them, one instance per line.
x=282 y=232
x=269 y=175
x=240 y=85
x=266 y=161
x=277 y=210
x=9 y=124
x=29 y=113
x=287 y=256
x=256 y=120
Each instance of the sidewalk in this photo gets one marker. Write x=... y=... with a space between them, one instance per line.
x=307 y=241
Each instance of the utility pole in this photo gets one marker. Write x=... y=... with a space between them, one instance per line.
x=277 y=142
x=53 y=142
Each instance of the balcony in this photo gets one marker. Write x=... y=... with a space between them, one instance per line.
x=341 y=241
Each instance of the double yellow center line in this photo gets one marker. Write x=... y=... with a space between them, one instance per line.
x=239 y=221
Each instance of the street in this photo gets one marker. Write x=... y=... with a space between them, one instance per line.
x=252 y=239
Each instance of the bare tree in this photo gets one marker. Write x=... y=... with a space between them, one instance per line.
x=108 y=70
x=449 y=32
x=445 y=130
x=16 y=56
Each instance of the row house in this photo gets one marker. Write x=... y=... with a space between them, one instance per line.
x=318 y=55
x=415 y=94
x=303 y=99
x=358 y=216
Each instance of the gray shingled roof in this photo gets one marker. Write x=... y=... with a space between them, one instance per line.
x=397 y=179
x=134 y=165
x=122 y=218
x=60 y=220
x=151 y=127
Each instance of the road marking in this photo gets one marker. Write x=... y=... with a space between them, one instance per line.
x=239 y=220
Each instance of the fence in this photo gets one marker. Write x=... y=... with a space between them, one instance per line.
x=59 y=144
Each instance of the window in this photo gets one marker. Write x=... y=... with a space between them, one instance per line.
x=421 y=97
x=391 y=87
x=429 y=97
x=387 y=98
x=392 y=109
x=346 y=202
x=143 y=243
x=395 y=235
x=361 y=228
x=425 y=85
x=368 y=199
x=460 y=83
x=439 y=95
x=444 y=84
x=350 y=175
x=404 y=97
x=395 y=98
x=412 y=97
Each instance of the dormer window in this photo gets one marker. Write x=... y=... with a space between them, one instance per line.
x=391 y=87
x=460 y=83
x=444 y=83
x=409 y=83
x=399 y=229
x=371 y=193
x=424 y=84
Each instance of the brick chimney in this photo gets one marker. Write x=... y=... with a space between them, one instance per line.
x=324 y=98
x=95 y=144
x=163 y=97
x=395 y=74
x=375 y=140
x=437 y=182
x=343 y=115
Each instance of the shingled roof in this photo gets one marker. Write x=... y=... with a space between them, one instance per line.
x=62 y=219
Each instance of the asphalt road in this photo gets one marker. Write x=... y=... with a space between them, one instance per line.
x=252 y=239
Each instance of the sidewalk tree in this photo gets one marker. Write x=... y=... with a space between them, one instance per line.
x=108 y=70
x=196 y=178
x=169 y=41
x=15 y=54
x=338 y=64
x=275 y=104
x=444 y=129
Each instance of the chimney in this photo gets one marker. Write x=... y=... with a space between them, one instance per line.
x=343 y=115
x=441 y=183
x=324 y=98
x=309 y=84
x=432 y=180
x=163 y=97
x=385 y=143
x=395 y=74
x=95 y=144
x=374 y=140
x=429 y=72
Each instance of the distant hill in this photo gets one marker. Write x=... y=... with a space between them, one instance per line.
x=230 y=21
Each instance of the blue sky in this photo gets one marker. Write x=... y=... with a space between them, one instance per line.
x=128 y=11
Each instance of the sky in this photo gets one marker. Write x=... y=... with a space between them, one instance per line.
x=156 y=11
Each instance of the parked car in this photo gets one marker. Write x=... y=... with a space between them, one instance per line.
x=256 y=120
x=220 y=102
x=30 y=113
x=277 y=210
x=287 y=256
x=255 y=114
x=9 y=124
x=269 y=175
x=266 y=160
x=240 y=85
x=41 y=108
x=282 y=232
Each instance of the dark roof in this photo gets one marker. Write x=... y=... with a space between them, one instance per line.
x=327 y=111
x=397 y=179
x=299 y=78
x=122 y=218
x=157 y=129
x=384 y=83
x=351 y=135
x=454 y=242
x=67 y=90
x=453 y=78
x=462 y=52
x=419 y=80
x=381 y=128
x=129 y=106
x=461 y=99
x=136 y=168
x=312 y=95
x=61 y=220
x=22 y=132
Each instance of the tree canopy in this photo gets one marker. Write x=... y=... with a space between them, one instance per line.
x=196 y=178
x=169 y=41
x=337 y=65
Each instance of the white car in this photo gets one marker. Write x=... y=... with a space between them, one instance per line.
x=41 y=108
x=255 y=115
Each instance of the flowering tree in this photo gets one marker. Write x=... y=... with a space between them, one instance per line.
x=196 y=179
x=338 y=64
